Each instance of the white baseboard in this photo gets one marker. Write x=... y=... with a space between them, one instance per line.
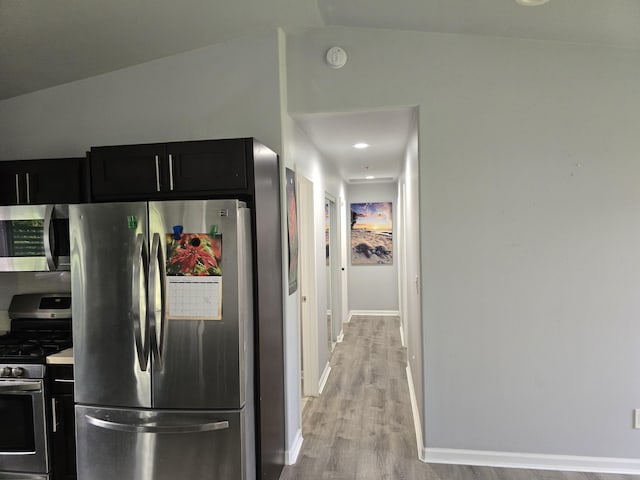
x=324 y=378
x=340 y=337
x=568 y=463
x=402 y=335
x=291 y=456
x=375 y=313
x=416 y=414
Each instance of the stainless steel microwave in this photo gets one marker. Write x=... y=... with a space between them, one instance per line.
x=34 y=238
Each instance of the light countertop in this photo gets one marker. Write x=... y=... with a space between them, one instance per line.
x=65 y=357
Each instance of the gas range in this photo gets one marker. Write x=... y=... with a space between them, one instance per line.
x=40 y=326
x=33 y=346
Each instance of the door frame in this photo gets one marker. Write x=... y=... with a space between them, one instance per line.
x=310 y=371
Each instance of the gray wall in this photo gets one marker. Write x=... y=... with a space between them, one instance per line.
x=409 y=199
x=528 y=200
x=311 y=164
x=373 y=287
x=228 y=90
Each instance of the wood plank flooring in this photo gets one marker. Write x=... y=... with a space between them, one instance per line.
x=361 y=427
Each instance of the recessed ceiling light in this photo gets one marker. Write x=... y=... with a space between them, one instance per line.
x=361 y=145
x=369 y=177
x=531 y=3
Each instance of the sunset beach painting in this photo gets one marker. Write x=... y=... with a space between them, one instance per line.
x=371 y=234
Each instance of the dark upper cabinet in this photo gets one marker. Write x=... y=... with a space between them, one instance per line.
x=31 y=182
x=170 y=170
x=9 y=184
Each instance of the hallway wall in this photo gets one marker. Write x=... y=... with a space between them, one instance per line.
x=408 y=192
x=529 y=233
x=373 y=287
x=324 y=175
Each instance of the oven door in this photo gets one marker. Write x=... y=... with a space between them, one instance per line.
x=23 y=436
x=34 y=238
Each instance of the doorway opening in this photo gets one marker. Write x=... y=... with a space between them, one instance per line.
x=332 y=175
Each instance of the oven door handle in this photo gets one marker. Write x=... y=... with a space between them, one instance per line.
x=19 y=388
x=153 y=427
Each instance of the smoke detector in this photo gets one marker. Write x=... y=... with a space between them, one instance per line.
x=336 y=57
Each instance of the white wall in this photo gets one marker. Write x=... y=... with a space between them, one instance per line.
x=221 y=91
x=324 y=175
x=374 y=287
x=292 y=328
x=529 y=228
x=410 y=275
x=8 y=288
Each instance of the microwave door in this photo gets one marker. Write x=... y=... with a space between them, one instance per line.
x=22 y=239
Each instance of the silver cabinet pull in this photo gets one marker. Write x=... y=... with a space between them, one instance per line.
x=17 y=189
x=28 y=188
x=54 y=415
x=157 y=173
x=171 y=172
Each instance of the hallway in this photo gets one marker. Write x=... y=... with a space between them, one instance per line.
x=361 y=427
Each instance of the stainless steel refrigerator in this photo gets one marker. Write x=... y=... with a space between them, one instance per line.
x=162 y=332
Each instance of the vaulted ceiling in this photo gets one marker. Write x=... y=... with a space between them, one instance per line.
x=44 y=43
x=49 y=42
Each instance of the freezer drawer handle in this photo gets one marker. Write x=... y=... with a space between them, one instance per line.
x=155 y=428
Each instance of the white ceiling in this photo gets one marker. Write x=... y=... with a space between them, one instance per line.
x=49 y=42
x=385 y=131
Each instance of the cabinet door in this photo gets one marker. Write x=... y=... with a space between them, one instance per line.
x=208 y=167
x=128 y=172
x=63 y=444
x=57 y=180
x=9 y=179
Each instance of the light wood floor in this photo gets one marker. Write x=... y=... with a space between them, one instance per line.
x=361 y=427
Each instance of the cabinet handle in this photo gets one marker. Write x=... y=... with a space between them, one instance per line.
x=28 y=188
x=17 y=189
x=157 y=173
x=170 y=172
x=54 y=415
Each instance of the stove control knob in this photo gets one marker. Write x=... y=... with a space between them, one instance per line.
x=17 y=371
x=5 y=372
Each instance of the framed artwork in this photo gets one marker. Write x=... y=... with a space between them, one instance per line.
x=371 y=233
x=292 y=229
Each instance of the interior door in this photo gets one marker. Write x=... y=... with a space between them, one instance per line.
x=109 y=253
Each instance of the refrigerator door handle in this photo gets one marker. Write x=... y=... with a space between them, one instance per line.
x=157 y=279
x=140 y=330
x=47 y=238
x=154 y=427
